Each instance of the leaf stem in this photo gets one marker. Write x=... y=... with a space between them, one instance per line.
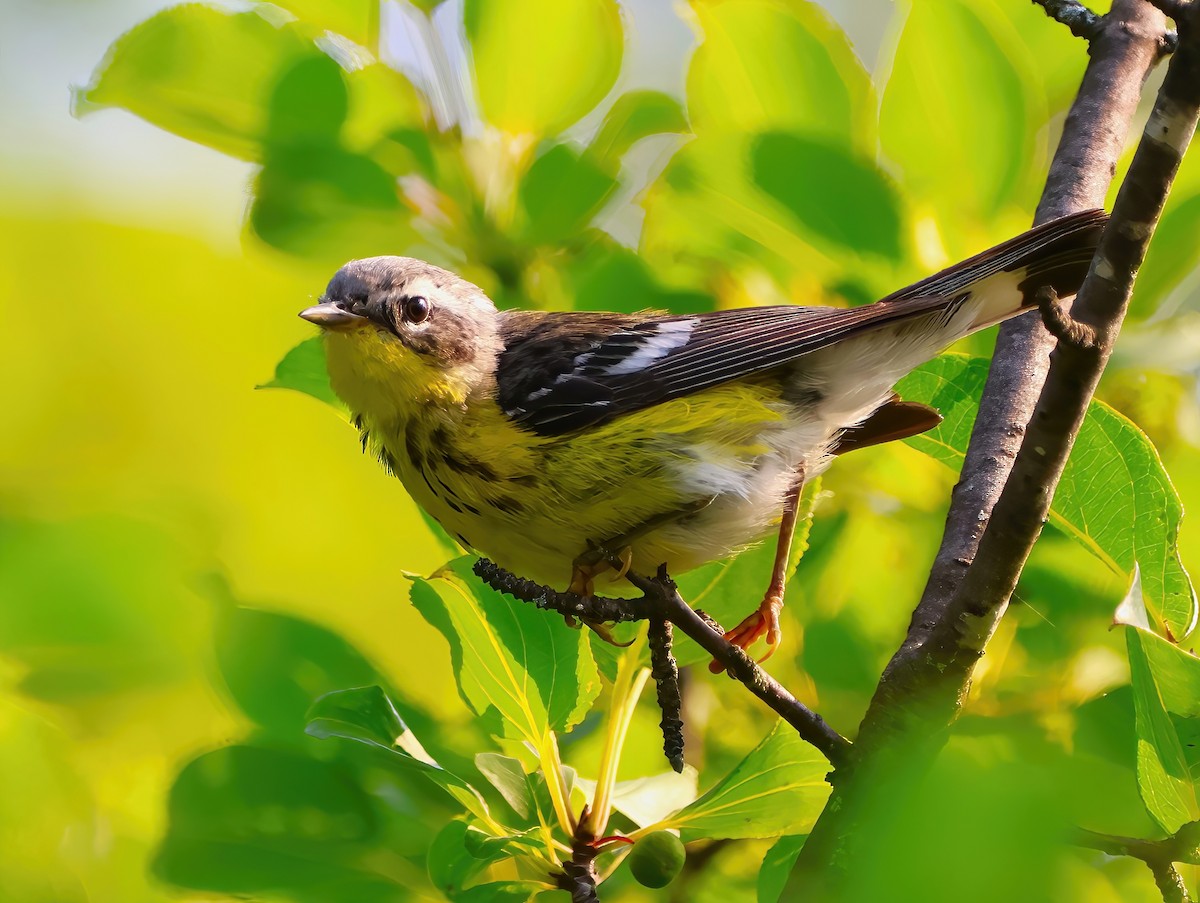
x=551 y=763
x=627 y=688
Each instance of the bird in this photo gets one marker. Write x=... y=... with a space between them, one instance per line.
x=565 y=444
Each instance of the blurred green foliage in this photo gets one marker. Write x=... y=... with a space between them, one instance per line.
x=214 y=683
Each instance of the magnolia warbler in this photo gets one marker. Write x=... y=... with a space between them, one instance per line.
x=561 y=444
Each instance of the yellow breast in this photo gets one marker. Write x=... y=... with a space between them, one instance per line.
x=533 y=503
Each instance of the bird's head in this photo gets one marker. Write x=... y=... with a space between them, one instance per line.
x=399 y=331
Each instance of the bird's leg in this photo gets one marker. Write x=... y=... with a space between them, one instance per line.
x=765 y=620
x=617 y=553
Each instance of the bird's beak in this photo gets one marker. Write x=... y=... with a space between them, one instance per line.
x=328 y=315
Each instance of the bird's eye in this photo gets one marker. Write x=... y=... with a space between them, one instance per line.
x=416 y=309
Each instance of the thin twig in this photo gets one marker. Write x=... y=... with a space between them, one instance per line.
x=662 y=594
x=1082 y=22
x=598 y=609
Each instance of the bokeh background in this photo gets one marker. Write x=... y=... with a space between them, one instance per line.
x=186 y=562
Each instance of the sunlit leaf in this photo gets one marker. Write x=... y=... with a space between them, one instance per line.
x=303 y=370
x=648 y=800
x=777 y=866
x=201 y=73
x=1114 y=498
x=366 y=715
x=634 y=116
x=828 y=189
x=1164 y=780
x=357 y=20
x=387 y=118
x=779 y=788
x=767 y=65
x=528 y=82
x=956 y=111
x=508 y=776
x=511 y=660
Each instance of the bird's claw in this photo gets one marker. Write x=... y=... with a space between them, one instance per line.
x=603 y=631
x=763 y=621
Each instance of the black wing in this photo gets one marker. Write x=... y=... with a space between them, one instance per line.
x=563 y=372
x=566 y=371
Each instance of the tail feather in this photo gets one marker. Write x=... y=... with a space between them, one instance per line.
x=1008 y=276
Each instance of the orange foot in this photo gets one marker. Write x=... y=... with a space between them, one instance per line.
x=764 y=621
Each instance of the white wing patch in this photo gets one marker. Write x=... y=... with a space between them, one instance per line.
x=665 y=339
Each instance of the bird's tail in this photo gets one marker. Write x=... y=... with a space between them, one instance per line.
x=1008 y=276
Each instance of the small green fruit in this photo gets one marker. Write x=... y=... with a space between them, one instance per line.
x=656 y=859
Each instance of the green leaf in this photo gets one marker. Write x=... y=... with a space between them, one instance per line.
x=541 y=65
x=501 y=892
x=730 y=590
x=560 y=194
x=1115 y=497
x=324 y=203
x=490 y=847
x=1157 y=669
x=200 y=73
x=779 y=788
x=827 y=189
x=303 y=370
x=766 y=65
x=777 y=866
x=366 y=715
x=249 y=820
x=634 y=116
x=705 y=215
x=957 y=115
x=448 y=861
x=608 y=276
x=511 y=660
x=276 y=665
x=507 y=775
x=357 y=20
x=646 y=801
x=309 y=103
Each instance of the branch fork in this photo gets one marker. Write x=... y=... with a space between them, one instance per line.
x=662 y=603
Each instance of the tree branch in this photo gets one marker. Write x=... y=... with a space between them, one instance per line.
x=662 y=601
x=1160 y=856
x=1082 y=22
x=578 y=877
x=986 y=540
